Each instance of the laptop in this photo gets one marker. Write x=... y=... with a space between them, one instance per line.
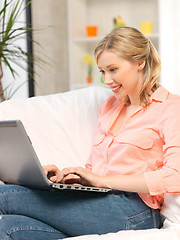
x=19 y=163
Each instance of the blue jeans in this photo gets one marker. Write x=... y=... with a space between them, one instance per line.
x=27 y=213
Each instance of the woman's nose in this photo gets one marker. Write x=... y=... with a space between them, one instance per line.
x=107 y=80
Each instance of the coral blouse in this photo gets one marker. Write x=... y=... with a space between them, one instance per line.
x=149 y=143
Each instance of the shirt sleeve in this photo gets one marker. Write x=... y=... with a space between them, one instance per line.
x=167 y=178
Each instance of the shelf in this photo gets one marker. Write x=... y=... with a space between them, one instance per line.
x=84 y=85
x=152 y=36
x=101 y=13
x=87 y=39
x=99 y=38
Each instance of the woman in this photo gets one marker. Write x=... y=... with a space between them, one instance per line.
x=136 y=153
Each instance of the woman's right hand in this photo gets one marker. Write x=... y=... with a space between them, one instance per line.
x=52 y=172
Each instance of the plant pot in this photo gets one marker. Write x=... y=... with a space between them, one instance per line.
x=89 y=79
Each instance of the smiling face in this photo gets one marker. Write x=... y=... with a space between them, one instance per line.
x=121 y=75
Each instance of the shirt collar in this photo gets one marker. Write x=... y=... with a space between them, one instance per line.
x=159 y=95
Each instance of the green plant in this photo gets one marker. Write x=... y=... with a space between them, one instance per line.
x=10 y=52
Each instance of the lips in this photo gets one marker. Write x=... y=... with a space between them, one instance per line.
x=116 y=88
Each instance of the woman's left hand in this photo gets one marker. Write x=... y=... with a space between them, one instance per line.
x=79 y=175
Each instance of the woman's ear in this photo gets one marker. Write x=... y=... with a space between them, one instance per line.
x=141 y=64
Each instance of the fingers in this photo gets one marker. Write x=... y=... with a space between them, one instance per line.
x=70 y=175
x=52 y=172
x=67 y=175
x=74 y=170
x=50 y=168
x=76 y=175
x=70 y=179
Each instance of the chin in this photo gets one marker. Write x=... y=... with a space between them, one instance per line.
x=120 y=98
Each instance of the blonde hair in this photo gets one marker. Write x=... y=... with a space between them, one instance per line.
x=131 y=44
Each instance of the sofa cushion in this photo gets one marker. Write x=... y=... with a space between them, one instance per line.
x=60 y=126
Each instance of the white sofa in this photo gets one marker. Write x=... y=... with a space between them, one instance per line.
x=61 y=127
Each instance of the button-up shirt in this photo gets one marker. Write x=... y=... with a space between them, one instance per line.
x=149 y=143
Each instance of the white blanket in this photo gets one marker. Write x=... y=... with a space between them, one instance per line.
x=61 y=128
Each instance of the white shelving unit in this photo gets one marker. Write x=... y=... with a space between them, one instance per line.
x=101 y=13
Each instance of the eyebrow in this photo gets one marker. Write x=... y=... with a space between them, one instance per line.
x=111 y=65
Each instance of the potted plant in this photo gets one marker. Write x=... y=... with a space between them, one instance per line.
x=10 y=51
x=89 y=60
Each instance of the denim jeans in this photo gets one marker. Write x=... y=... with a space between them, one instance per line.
x=27 y=213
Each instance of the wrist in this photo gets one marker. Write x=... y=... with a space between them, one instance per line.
x=104 y=182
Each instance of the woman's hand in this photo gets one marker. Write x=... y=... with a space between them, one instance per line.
x=72 y=175
x=52 y=172
x=79 y=175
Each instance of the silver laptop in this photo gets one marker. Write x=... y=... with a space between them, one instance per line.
x=19 y=163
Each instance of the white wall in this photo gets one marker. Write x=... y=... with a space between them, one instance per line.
x=49 y=18
x=169 y=44
x=22 y=75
